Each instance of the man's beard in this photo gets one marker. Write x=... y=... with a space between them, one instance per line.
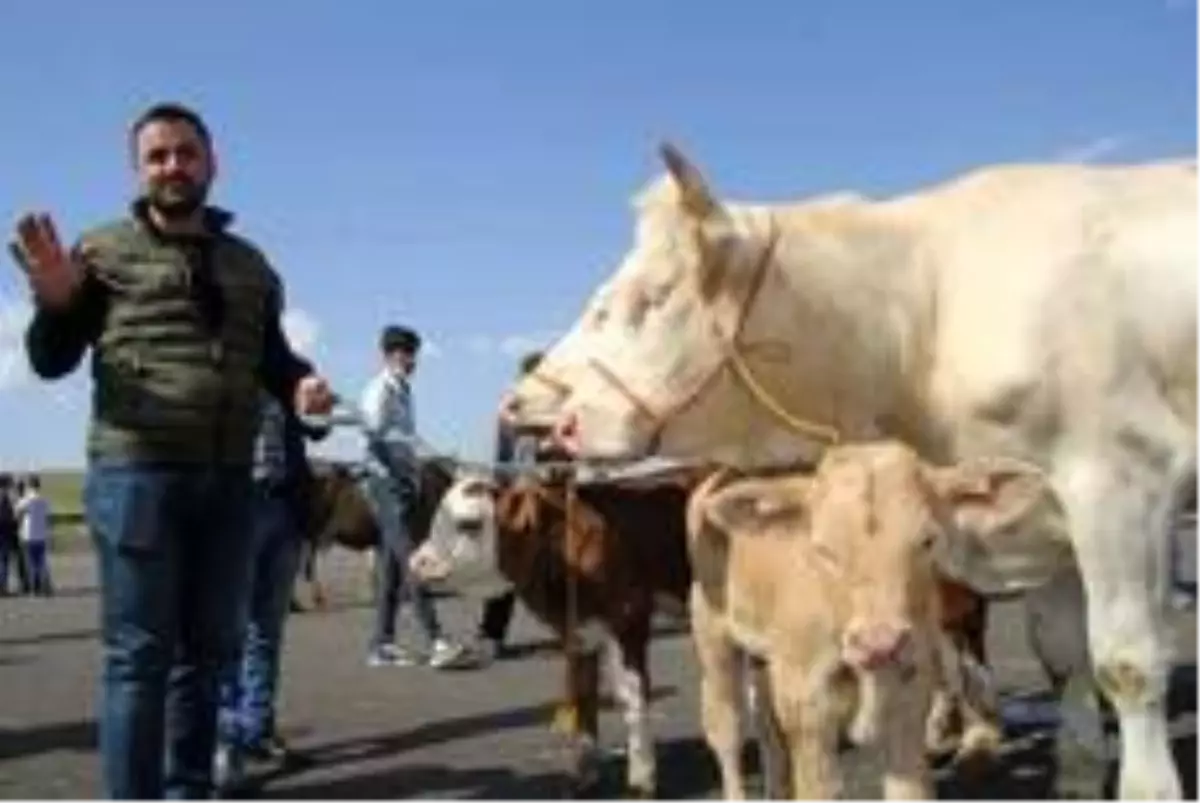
x=177 y=199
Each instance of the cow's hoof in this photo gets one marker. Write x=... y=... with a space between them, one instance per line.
x=584 y=777
x=981 y=743
x=639 y=793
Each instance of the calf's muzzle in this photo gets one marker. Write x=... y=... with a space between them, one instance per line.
x=875 y=645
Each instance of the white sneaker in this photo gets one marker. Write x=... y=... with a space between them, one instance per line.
x=229 y=771
x=448 y=655
x=391 y=655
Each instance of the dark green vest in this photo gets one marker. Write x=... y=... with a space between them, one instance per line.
x=167 y=388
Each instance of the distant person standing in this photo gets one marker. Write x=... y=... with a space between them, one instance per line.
x=391 y=488
x=11 y=555
x=182 y=317
x=33 y=518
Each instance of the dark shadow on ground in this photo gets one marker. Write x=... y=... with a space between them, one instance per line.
x=20 y=742
x=50 y=638
x=353 y=751
x=686 y=771
x=1029 y=770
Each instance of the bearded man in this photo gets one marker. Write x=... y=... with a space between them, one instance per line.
x=183 y=321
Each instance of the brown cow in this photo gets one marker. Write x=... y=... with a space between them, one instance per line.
x=626 y=551
x=831 y=579
x=338 y=513
x=595 y=585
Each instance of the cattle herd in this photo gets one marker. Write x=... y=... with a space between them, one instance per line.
x=881 y=414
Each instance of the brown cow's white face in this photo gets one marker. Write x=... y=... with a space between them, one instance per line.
x=461 y=551
x=646 y=341
x=878 y=522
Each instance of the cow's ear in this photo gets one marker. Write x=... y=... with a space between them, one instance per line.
x=988 y=495
x=753 y=506
x=1004 y=528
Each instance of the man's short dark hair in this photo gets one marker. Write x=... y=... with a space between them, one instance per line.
x=399 y=338
x=32 y=481
x=173 y=112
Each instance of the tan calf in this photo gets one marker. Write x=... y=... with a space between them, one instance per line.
x=831 y=579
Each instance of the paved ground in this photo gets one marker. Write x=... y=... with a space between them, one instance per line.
x=391 y=733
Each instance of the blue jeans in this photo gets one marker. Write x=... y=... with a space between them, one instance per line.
x=172 y=545
x=249 y=682
x=389 y=505
x=39 y=566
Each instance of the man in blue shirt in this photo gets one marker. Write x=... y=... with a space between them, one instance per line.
x=390 y=484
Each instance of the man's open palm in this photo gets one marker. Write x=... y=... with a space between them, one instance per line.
x=53 y=275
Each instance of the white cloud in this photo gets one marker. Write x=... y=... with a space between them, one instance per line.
x=511 y=347
x=1093 y=150
x=302 y=330
x=14 y=317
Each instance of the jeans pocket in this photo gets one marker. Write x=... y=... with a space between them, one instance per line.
x=126 y=508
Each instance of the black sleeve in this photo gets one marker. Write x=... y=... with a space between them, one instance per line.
x=281 y=369
x=56 y=340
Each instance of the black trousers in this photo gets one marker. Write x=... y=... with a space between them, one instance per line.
x=497 y=613
x=13 y=557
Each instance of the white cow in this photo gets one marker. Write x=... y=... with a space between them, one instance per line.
x=1044 y=312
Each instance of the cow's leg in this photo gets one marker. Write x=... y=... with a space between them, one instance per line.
x=631 y=680
x=979 y=706
x=720 y=687
x=578 y=717
x=905 y=711
x=320 y=597
x=1119 y=505
x=807 y=714
x=772 y=747
x=964 y=714
x=312 y=557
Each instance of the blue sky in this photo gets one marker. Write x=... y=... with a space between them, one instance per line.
x=466 y=167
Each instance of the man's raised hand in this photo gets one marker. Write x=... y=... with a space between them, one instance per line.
x=52 y=273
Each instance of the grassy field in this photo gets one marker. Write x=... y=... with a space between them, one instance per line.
x=63 y=488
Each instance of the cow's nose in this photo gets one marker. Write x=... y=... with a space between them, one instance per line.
x=425 y=566
x=877 y=644
x=565 y=433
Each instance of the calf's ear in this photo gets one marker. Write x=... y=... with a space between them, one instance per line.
x=754 y=506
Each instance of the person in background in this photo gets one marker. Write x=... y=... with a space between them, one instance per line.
x=250 y=682
x=33 y=518
x=498 y=610
x=182 y=318
x=11 y=554
x=390 y=485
